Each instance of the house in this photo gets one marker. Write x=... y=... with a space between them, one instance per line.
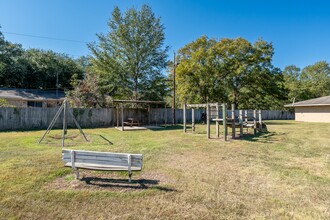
x=312 y=110
x=32 y=97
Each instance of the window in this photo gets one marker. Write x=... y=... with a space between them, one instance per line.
x=34 y=104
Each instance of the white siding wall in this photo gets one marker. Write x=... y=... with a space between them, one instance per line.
x=313 y=114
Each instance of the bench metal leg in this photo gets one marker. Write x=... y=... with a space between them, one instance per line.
x=76 y=173
x=129 y=177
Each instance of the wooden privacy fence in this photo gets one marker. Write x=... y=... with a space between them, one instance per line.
x=40 y=118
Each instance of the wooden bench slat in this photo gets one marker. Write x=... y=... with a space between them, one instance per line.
x=97 y=157
x=107 y=154
x=102 y=162
x=92 y=166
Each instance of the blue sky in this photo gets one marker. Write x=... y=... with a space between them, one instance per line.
x=299 y=30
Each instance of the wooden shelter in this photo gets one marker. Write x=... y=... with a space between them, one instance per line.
x=133 y=123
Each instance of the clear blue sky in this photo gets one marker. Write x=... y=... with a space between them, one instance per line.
x=299 y=30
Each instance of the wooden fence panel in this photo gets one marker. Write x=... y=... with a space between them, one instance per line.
x=40 y=118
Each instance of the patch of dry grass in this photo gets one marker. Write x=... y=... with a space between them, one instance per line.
x=283 y=174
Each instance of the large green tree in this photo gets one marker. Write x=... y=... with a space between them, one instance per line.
x=34 y=68
x=229 y=70
x=196 y=76
x=10 y=63
x=312 y=81
x=316 y=80
x=130 y=58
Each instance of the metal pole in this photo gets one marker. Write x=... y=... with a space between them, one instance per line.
x=52 y=123
x=78 y=126
x=64 y=123
x=57 y=84
x=174 y=88
x=208 y=121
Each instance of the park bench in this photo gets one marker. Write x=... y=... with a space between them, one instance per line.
x=94 y=160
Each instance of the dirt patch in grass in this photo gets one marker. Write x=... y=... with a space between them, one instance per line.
x=98 y=181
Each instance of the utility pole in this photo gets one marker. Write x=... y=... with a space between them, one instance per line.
x=173 y=107
x=56 y=84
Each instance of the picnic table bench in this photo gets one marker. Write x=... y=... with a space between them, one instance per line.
x=132 y=122
x=107 y=161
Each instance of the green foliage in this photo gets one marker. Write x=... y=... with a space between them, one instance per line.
x=129 y=59
x=87 y=93
x=4 y=103
x=313 y=81
x=229 y=70
x=34 y=68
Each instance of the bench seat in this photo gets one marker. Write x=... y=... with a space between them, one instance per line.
x=91 y=166
x=106 y=161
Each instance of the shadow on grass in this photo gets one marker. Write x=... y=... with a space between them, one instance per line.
x=283 y=122
x=139 y=184
x=167 y=128
x=265 y=137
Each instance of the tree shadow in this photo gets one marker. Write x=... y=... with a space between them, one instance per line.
x=140 y=184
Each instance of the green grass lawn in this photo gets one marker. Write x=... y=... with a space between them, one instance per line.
x=282 y=174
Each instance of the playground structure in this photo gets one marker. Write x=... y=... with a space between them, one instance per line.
x=213 y=114
x=65 y=108
x=135 y=123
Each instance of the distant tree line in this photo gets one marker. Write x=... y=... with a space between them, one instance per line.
x=129 y=62
x=35 y=68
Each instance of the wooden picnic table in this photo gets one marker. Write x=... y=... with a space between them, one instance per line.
x=132 y=121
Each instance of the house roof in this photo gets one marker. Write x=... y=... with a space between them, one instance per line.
x=31 y=94
x=322 y=101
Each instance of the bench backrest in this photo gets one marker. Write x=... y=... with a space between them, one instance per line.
x=102 y=158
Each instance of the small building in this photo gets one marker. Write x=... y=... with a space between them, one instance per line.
x=312 y=110
x=32 y=97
